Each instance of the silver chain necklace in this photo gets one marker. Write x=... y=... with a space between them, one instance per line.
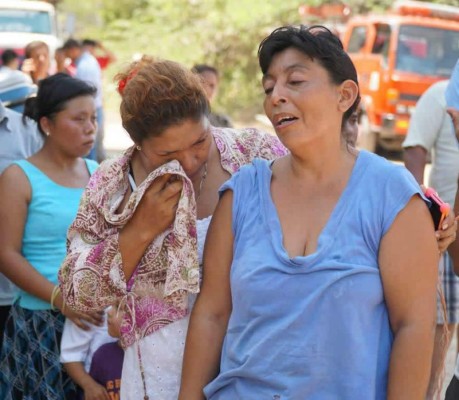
x=201 y=183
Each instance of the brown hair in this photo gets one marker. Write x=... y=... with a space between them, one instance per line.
x=32 y=46
x=157 y=94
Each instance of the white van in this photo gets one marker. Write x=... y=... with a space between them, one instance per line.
x=23 y=21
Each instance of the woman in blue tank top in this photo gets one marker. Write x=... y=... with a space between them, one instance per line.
x=39 y=198
x=317 y=283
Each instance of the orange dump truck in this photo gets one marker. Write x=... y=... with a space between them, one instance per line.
x=398 y=56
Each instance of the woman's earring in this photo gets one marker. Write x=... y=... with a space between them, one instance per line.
x=138 y=147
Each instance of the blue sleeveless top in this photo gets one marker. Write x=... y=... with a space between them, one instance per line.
x=51 y=211
x=312 y=327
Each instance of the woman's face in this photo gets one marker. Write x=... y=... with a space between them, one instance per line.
x=210 y=83
x=301 y=100
x=74 y=128
x=40 y=57
x=188 y=142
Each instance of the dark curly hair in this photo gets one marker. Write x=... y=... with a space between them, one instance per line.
x=157 y=94
x=316 y=42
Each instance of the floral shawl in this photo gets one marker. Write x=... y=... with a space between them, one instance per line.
x=91 y=277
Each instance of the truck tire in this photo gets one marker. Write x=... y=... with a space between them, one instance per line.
x=368 y=139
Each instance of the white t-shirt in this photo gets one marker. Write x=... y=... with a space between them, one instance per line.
x=78 y=345
x=431 y=127
x=88 y=70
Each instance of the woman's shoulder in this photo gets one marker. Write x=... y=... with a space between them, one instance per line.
x=16 y=171
x=382 y=190
x=15 y=181
x=248 y=176
x=23 y=169
x=383 y=170
x=91 y=165
x=258 y=144
x=110 y=173
x=238 y=147
x=387 y=183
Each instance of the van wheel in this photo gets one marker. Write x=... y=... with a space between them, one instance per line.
x=367 y=139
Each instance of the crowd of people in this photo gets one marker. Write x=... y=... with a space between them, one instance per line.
x=208 y=262
x=84 y=60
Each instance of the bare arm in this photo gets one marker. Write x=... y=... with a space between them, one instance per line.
x=454 y=247
x=106 y=52
x=454 y=114
x=408 y=260
x=415 y=161
x=15 y=194
x=210 y=315
x=92 y=389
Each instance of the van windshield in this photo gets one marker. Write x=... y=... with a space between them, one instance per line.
x=427 y=51
x=28 y=21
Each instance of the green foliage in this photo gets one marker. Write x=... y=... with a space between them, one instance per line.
x=122 y=9
x=223 y=33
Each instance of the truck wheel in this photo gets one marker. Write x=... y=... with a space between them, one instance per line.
x=368 y=139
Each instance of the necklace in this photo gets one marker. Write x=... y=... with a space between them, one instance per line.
x=201 y=183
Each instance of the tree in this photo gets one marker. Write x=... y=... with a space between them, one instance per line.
x=224 y=33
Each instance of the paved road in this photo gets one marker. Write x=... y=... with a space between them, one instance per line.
x=116 y=140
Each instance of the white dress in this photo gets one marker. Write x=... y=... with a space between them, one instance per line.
x=161 y=352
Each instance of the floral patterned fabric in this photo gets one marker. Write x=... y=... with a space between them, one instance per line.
x=91 y=277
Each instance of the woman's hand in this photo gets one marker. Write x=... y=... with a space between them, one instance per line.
x=92 y=390
x=28 y=66
x=447 y=234
x=78 y=318
x=82 y=319
x=95 y=391
x=155 y=212
x=114 y=318
x=157 y=208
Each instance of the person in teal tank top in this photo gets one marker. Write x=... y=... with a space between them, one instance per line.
x=319 y=276
x=39 y=199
